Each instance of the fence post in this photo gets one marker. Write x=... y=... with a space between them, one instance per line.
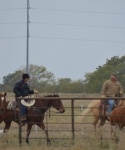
x=72 y=121
x=46 y=115
x=20 y=128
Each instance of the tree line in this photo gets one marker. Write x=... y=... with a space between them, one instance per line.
x=45 y=81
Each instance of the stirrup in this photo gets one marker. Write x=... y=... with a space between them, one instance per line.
x=23 y=121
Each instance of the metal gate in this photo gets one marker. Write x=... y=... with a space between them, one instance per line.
x=63 y=129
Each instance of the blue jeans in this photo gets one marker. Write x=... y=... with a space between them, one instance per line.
x=23 y=110
x=111 y=105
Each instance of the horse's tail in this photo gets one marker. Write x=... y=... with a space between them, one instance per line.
x=94 y=103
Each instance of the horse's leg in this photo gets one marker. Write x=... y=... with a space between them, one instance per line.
x=96 y=118
x=102 y=122
x=29 y=127
x=113 y=133
x=96 y=114
x=7 y=125
x=5 y=130
x=1 y=131
x=46 y=132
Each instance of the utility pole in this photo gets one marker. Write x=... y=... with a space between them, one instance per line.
x=27 y=43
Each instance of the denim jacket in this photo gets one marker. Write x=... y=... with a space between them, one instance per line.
x=22 y=89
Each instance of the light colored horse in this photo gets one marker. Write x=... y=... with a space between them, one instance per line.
x=94 y=108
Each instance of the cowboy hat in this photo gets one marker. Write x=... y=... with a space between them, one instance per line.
x=28 y=103
x=25 y=75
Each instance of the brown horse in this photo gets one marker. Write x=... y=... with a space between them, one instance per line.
x=94 y=108
x=117 y=119
x=35 y=114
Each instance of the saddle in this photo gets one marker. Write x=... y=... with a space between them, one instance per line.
x=104 y=106
x=13 y=105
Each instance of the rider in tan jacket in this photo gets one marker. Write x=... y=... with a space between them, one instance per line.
x=110 y=88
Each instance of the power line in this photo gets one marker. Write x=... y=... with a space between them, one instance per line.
x=91 y=26
x=61 y=24
x=64 y=10
x=79 y=11
x=8 y=23
x=63 y=38
x=2 y=9
x=80 y=39
x=12 y=37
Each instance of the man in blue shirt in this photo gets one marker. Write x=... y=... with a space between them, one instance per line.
x=22 y=89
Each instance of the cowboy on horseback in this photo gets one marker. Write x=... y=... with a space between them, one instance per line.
x=22 y=89
x=111 y=88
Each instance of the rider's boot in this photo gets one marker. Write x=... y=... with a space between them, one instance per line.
x=23 y=120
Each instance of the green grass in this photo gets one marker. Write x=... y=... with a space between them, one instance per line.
x=88 y=142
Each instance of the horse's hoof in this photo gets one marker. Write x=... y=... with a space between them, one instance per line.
x=27 y=141
x=117 y=140
x=48 y=142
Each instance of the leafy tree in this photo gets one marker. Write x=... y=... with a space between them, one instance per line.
x=77 y=86
x=39 y=77
x=44 y=81
x=10 y=79
x=95 y=80
x=64 y=84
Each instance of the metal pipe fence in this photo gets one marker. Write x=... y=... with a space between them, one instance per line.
x=65 y=127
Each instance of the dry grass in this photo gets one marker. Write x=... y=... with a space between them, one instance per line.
x=84 y=137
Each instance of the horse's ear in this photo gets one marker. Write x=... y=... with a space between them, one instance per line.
x=5 y=94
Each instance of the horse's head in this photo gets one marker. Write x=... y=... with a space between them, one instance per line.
x=57 y=103
x=2 y=102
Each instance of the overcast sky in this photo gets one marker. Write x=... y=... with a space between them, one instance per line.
x=68 y=37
